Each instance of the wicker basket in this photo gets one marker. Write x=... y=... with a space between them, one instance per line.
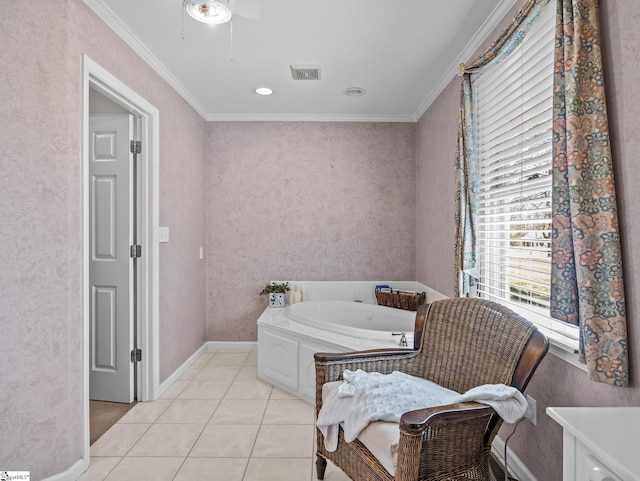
x=409 y=301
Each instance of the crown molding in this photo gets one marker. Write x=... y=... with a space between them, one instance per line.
x=307 y=118
x=480 y=36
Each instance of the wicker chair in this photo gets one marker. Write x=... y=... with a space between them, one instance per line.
x=459 y=343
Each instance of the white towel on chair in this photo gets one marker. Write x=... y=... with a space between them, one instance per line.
x=365 y=397
x=508 y=402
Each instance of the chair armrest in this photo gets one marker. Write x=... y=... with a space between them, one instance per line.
x=415 y=422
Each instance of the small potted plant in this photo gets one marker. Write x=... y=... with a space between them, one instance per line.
x=276 y=292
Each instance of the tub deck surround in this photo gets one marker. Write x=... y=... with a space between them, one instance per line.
x=277 y=320
x=286 y=346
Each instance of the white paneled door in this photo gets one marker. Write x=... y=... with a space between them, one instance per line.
x=111 y=275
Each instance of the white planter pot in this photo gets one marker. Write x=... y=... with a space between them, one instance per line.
x=276 y=300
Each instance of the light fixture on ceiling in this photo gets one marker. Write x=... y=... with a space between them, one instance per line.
x=217 y=12
x=354 y=91
x=263 y=91
x=213 y=12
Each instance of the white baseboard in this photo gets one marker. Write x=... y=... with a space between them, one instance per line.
x=194 y=357
x=231 y=345
x=71 y=474
x=181 y=370
x=515 y=466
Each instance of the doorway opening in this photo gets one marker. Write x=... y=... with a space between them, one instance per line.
x=143 y=374
x=103 y=415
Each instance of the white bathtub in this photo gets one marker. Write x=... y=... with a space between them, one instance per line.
x=288 y=338
x=354 y=319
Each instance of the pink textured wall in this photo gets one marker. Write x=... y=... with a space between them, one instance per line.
x=556 y=383
x=41 y=367
x=40 y=294
x=307 y=201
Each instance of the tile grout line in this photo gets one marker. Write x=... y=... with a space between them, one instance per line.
x=205 y=425
x=253 y=445
x=212 y=414
x=194 y=443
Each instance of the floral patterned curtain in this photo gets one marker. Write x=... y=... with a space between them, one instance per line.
x=466 y=164
x=586 y=273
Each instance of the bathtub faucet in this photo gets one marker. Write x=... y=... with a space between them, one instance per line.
x=403 y=339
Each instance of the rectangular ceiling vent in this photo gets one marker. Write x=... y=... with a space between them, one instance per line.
x=305 y=72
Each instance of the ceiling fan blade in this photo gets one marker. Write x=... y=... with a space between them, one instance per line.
x=246 y=8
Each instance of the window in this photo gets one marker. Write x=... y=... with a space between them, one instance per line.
x=513 y=121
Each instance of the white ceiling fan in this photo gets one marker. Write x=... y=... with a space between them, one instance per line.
x=221 y=11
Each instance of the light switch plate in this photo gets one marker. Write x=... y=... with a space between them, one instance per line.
x=163 y=234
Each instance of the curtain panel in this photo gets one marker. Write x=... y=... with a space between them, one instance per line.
x=587 y=287
x=466 y=193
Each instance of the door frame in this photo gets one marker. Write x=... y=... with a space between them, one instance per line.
x=148 y=220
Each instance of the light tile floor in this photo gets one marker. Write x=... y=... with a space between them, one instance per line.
x=217 y=422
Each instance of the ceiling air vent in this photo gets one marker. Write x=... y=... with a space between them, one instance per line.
x=305 y=72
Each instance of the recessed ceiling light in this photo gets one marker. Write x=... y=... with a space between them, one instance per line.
x=354 y=91
x=264 y=91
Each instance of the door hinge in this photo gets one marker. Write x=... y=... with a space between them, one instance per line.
x=136 y=146
x=135 y=251
x=136 y=355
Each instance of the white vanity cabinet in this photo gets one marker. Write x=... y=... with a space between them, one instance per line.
x=599 y=444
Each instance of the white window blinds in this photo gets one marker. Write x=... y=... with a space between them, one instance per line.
x=513 y=115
